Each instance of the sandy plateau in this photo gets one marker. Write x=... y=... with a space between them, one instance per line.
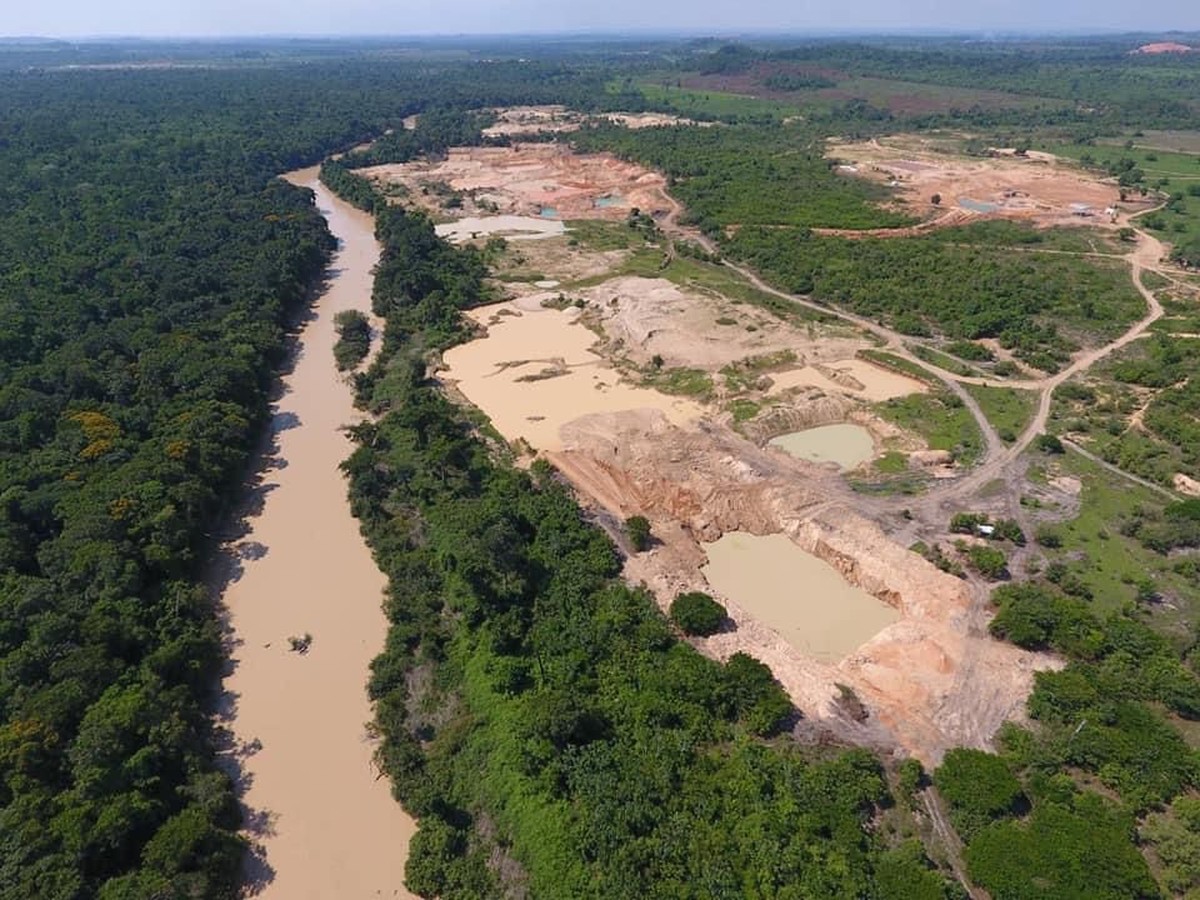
x=526 y=180
x=571 y=373
x=322 y=821
x=516 y=120
x=1036 y=187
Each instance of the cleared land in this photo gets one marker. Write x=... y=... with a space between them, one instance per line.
x=525 y=180
x=654 y=383
x=1036 y=187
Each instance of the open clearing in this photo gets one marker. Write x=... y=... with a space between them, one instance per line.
x=517 y=120
x=526 y=180
x=1035 y=188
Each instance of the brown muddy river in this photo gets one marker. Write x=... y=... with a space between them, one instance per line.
x=325 y=822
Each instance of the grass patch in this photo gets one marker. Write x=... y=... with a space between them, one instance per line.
x=1110 y=564
x=941 y=419
x=683 y=382
x=897 y=364
x=893 y=462
x=594 y=234
x=942 y=361
x=1008 y=409
x=703 y=104
x=743 y=410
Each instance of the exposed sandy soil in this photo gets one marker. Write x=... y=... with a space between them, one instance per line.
x=324 y=823
x=557 y=257
x=1036 y=188
x=533 y=119
x=648 y=317
x=513 y=228
x=855 y=377
x=517 y=120
x=535 y=371
x=1163 y=47
x=527 y=179
x=930 y=680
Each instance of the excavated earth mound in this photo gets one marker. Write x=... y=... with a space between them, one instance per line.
x=930 y=681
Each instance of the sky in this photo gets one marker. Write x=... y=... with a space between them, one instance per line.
x=221 y=18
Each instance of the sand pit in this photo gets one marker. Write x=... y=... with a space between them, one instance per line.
x=1036 y=187
x=535 y=371
x=325 y=824
x=846 y=446
x=517 y=120
x=931 y=679
x=525 y=179
x=649 y=317
x=514 y=228
x=870 y=382
x=801 y=597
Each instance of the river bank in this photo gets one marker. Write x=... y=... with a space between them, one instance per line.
x=323 y=822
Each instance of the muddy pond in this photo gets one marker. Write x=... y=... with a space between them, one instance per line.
x=802 y=598
x=846 y=445
x=534 y=371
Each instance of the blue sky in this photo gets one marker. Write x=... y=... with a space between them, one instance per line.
x=72 y=18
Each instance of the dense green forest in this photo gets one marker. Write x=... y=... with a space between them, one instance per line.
x=767 y=174
x=150 y=267
x=956 y=283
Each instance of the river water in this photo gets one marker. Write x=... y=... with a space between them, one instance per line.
x=324 y=820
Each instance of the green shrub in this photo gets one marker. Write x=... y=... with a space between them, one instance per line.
x=979 y=788
x=987 y=561
x=697 y=613
x=638 y=530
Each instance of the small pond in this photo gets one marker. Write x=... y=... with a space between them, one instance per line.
x=844 y=444
x=800 y=597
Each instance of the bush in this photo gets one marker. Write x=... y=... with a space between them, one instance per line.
x=760 y=702
x=697 y=613
x=638 y=530
x=988 y=562
x=1048 y=443
x=979 y=788
x=1048 y=536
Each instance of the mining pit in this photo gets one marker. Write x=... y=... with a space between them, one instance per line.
x=577 y=374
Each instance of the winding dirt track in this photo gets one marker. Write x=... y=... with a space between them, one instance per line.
x=998 y=459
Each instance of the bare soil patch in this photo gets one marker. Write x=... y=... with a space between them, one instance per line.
x=517 y=120
x=527 y=180
x=929 y=681
x=1037 y=188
